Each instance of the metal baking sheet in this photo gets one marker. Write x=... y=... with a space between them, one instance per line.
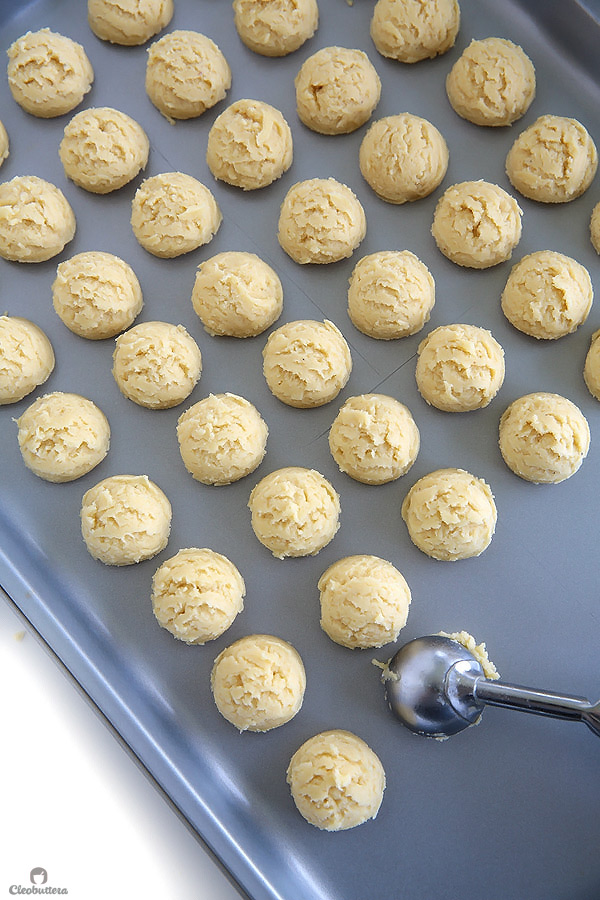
x=508 y=809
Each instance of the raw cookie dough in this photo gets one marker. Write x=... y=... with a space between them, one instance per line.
x=306 y=363
x=221 y=438
x=48 y=73
x=374 y=438
x=459 y=367
x=125 y=519
x=156 y=364
x=591 y=370
x=321 y=221
x=26 y=358
x=197 y=594
x=128 y=23
x=295 y=512
x=477 y=224
x=275 y=27
x=63 y=436
x=186 y=74
x=237 y=294
x=492 y=82
x=412 y=30
x=336 y=780
x=4 y=144
x=450 y=514
x=36 y=220
x=337 y=90
x=544 y=437
x=595 y=228
x=364 y=601
x=249 y=145
x=174 y=213
x=391 y=294
x=477 y=650
x=103 y=149
x=547 y=295
x=258 y=682
x=403 y=158
x=552 y=161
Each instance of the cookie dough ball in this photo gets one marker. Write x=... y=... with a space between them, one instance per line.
x=492 y=82
x=595 y=228
x=36 y=220
x=295 y=512
x=249 y=145
x=336 y=781
x=26 y=358
x=450 y=514
x=128 y=23
x=374 y=438
x=186 y=74
x=4 y=144
x=221 y=438
x=403 y=158
x=258 y=682
x=321 y=221
x=306 y=363
x=103 y=149
x=364 y=601
x=197 y=594
x=547 y=295
x=552 y=161
x=410 y=30
x=544 y=438
x=477 y=224
x=275 y=27
x=459 y=368
x=156 y=364
x=63 y=436
x=173 y=213
x=591 y=370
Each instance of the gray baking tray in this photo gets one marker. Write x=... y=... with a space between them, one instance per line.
x=508 y=809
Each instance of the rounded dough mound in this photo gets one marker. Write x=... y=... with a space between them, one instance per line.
x=403 y=158
x=186 y=74
x=26 y=358
x=336 y=780
x=337 y=90
x=275 y=27
x=459 y=368
x=4 y=144
x=591 y=369
x=173 y=213
x=410 y=30
x=63 y=436
x=197 y=594
x=125 y=519
x=126 y=23
x=364 y=601
x=391 y=294
x=221 y=438
x=295 y=512
x=48 y=74
x=103 y=149
x=547 y=295
x=258 y=682
x=552 y=161
x=249 y=145
x=321 y=221
x=595 y=228
x=450 y=514
x=544 y=438
x=156 y=364
x=306 y=363
x=477 y=224
x=492 y=82
x=374 y=438
x=36 y=220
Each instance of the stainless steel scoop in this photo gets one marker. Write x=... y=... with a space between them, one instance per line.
x=437 y=688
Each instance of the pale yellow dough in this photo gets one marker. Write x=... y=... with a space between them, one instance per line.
x=197 y=594
x=595 y=228
x=36 y=219
x=591 y=369
x=403 y=158
x=63 y=436
x=543 y=437
x=413 y=30
x=128 y=22
x=275 y=27
x=295 y=512
x=222 y=438
x=477 y=650
x=336 y=780
x=258 y=682
x=4 y=144
x=26 y=358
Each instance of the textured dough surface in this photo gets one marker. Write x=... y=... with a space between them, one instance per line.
x=479 y=651
x=26 y=358
x=591 y=369
x=595 y=228
x=275 y=27
x=4 y=144
x=127 y=23
x=36 y=220
x=411 y=30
